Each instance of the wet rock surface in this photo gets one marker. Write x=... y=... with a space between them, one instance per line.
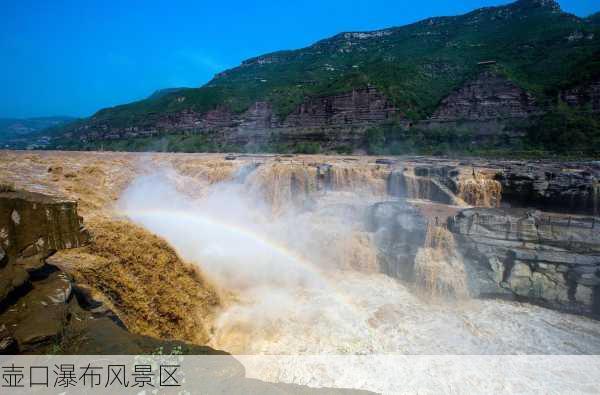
x=550 y=259
x=565 y=187
x=400 y=232
x=425 y=184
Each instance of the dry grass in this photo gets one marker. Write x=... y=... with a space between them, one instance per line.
x=153 y=291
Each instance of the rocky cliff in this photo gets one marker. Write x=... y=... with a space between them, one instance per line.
x=33 y=227
x=326 y=118
x=549 y=259
x=486 y=103
x=489 y=96
x=42 y=309
x=487 y=107
x=354 y=107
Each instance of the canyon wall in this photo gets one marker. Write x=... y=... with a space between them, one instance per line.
x=550 y=259
x=484 y=105
x=488 y=106
x=355 y=107
x=489 y=96
x=33 y=227
x=331 y=120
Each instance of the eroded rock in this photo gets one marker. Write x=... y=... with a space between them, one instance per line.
x=551 y=259
x=552 y=186
x=489 y=96
x=33 y=226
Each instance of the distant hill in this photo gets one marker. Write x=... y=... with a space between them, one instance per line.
x=20 y=133
x=333 y=91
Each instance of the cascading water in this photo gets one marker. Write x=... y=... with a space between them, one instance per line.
x=303 y=269
x=480 y=191
x=439 y=271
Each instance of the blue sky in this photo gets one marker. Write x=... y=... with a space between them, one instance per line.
x=73 y=57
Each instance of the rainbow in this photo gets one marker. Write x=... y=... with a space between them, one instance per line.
x=184 y=217
x=280 y=249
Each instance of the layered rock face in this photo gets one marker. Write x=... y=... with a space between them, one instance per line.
x=487 y=97
x=355 y=107
x=34 y=296
x=33 y=227
x=259 y=124
x=554 y=187
x=484 y=105
x=553 y=260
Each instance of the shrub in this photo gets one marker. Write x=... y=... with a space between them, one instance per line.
x=310 y=148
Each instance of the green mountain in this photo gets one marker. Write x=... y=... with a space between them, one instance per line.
x=532 y=43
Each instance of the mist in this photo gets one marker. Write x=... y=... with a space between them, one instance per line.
x=300 y=270
x=230 y=231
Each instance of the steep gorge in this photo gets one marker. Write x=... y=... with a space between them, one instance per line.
x=333 y=255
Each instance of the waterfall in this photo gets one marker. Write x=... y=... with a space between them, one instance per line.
x=405 y=184
x=480 y=191
x=282 y=184
x=439 y=271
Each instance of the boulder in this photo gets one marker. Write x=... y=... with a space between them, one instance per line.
x=550 y=259
x=33 y=226
x=34 y=296
x=40 y=314
x=12 y=278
